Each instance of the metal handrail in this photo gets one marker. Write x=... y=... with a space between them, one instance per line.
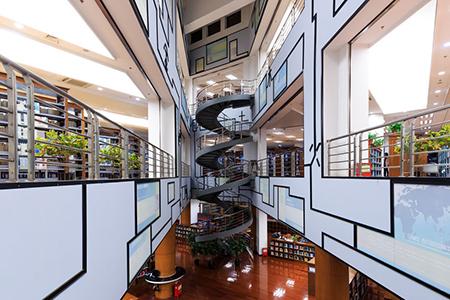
x=223 y=134
x=223 y=176
x=225 y=88
x=149 y=159
x=294 y=14
x=285 y=164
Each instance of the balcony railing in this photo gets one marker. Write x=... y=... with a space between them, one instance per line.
x=231 y=129
x=294 y=13
x=414 y=146
x=185 y=170
x=59 y=137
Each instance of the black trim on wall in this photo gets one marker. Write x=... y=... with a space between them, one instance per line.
x=160 y=230
x=171 y=211
x=273 y=201
x=226 y=48
x=276 y=187
x=336 y=8
x=169 y=184
x=139 y=17
x=275 y=98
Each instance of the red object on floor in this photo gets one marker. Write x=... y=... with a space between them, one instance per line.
x=264 y=252
x=178 y=289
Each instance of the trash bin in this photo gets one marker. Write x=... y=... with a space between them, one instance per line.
x=178 y=289
x=264 y=252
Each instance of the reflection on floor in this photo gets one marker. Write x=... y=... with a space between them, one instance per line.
x=261 y=278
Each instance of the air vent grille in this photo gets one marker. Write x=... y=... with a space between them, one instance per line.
x=75 y=82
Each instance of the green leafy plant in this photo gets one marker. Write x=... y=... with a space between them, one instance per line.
x=134 y=160
x=394 y=127
x=195 y=248
x=211 y=249
x=378 y=142
x=432 y=141
x=372 y=135
x=236 y=245
x=67 y=139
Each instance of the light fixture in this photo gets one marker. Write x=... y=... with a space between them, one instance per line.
x=100 y=89
x=426 y=116
x=299 y=139
x=278 y=133
x=441 y=73
x=429 y=121
x=391 y=73
x=125 y=120
x=19 y=25
x=227 y=89
x=421 y=122
x=268 y=139
x=231 y=77
x=447 y=44
x=138 y=99
x=290 y=136
x=278 y=142
x=67 y=24
x=437 y=91
x=49 y=58
x=210 y=82
x=197 y=88
x=435 y=103
x=210 y=94
x=246 y=270
x=431 y=115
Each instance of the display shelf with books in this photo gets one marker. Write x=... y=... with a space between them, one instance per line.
x=182 y=231
x=291 y=249
x=357 y=286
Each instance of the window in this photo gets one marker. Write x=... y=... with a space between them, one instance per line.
x=214 y=28
x=234 y=19
x=196 y=36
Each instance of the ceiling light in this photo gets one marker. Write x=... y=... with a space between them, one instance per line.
x=437 y=91
x=278 y=142
x=18 y=25
x=421 y=117
x=429 y=121
x=67 y=24
x=447 y=44
x=435 y=103
x=441 y=73
x=231 y=77
x=391 y=73
x=210 y=82
x=106 y=108
x=125 y=120
x=227 y=89
x=431 y=115
x=197 y=88
x=426 y=116
x=268 y=139
x=278 y=133
x=210 y=94
x=421 y=122
x=100 y=89
x=290 y=136
x=138 y=99
x=301 y=129
x=53 y=60
x=300 y=139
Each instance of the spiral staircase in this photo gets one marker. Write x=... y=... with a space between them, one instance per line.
x=223 y=133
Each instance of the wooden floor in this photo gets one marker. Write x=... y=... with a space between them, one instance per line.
x=262 y=278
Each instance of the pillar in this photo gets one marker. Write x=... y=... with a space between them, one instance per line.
x=165 y=263
x=261 y=231
x=331 y=277
x=186 y=216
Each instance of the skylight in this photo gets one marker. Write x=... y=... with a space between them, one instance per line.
x=57 y=18
x=400 y=64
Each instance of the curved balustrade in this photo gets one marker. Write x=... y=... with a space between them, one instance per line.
x=69 y=137
x=236 y=130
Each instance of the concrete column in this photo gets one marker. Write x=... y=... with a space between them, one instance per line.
x=261 y=230
x=331 y=277
x=165 y=263
x=262 y=143
x=186 y=216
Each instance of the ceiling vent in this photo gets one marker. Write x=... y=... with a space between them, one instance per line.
x=76 y=82
x=52 y=38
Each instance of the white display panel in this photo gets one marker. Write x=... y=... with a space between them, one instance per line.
x=147 y=203
x=264 y=189
x=42 y=239
x=421 y=242
x=138 y=253
x=291 y=209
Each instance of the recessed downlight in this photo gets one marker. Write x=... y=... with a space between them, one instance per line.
x=437 y=91
x=231 y=77
x=435 y=103
x=138 y=99
x=210 y=82
x=100 y=89
x=19 y=25
x=278 y=142
x=441 y=73
x=447 y=44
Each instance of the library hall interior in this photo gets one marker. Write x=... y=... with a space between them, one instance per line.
x=233 y=149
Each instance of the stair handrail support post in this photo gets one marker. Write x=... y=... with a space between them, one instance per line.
x=13 y=168
x=31 y=152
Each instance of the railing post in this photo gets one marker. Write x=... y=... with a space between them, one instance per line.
x=402 y=149
x=282 y=165
x=411 y=148
x=360 y=155
x=13 y=169
x=31 y=152
x=96 y=136
x=329 y=157
x=124 y=145
x=154 y=162
x=293 y=170
x=354 y=156
x=91 y=146
x=142 y=165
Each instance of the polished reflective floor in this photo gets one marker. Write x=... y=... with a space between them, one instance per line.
x=258 y=278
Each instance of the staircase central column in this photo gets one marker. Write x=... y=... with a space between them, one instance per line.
x=165 y=263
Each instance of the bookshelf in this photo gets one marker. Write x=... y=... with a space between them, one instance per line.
x=182 y=231
x=357 y=286
x=290 y=249
x=376 y=161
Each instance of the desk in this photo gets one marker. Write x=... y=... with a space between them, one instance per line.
x=179 y=273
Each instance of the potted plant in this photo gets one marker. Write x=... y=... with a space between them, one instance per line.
x=372 y=136
x=378 y=142
x=134 y=160
x=211 y=249
x=394 y=127
x=195 y=247
x=236 y=245
x=59 y=153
